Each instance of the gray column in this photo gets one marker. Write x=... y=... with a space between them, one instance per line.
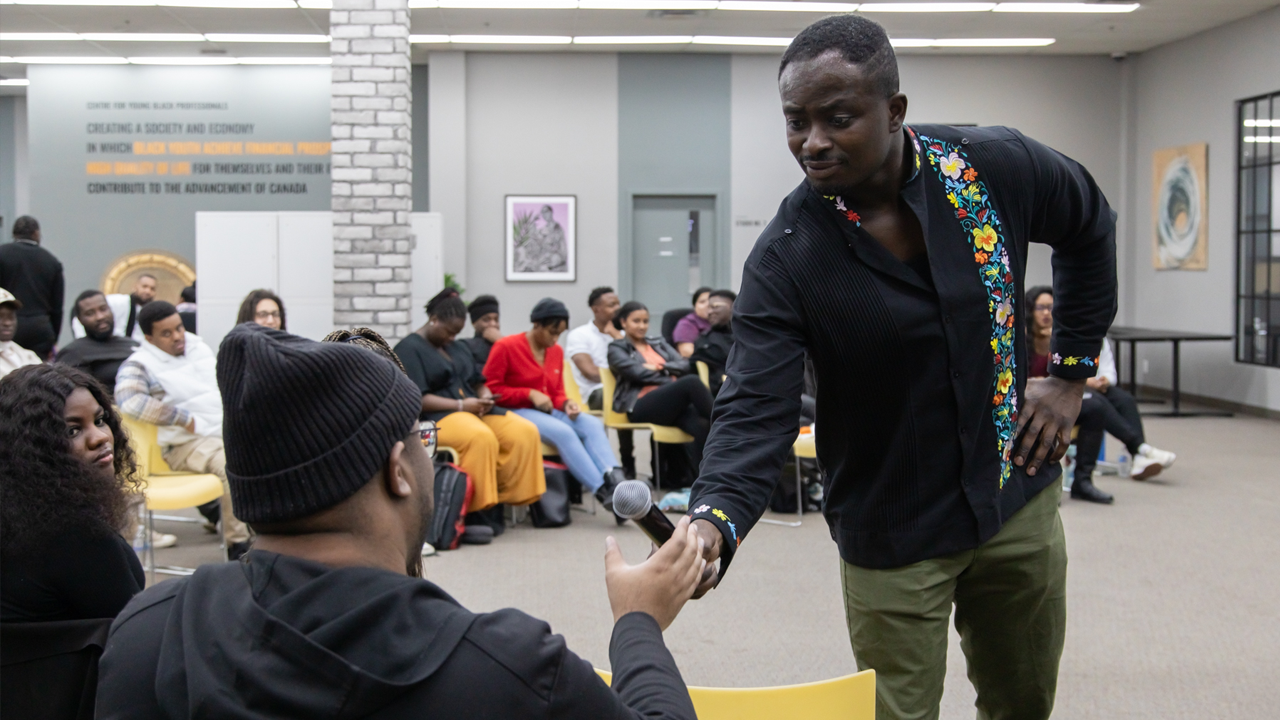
x=372 y=165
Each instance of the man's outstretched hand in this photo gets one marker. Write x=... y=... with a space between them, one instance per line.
x=712 y=540
x=660 y=585
x=1048 y=414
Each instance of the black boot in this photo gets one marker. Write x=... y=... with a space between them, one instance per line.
x=1084 y=489
x=604 y=493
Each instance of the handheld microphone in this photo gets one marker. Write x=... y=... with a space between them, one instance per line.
x=631 y=501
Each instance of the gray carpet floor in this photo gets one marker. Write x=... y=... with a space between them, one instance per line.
x=1174 y=591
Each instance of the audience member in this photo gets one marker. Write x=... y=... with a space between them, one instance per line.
x=100 y=352
x=484 y=322
x=588 y=349
x=187 y=308
x=125 y=309
x=325 y=460
x=693 y=324
x=655 y=384
x=263 y=307
x=170 y=381
x=499 y=450
x=66 y=474
x=34 y=276
x=526 y=373
x=713 y=346
x=12 y=355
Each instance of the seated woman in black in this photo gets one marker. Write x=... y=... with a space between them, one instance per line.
x=655 y=384
x=66 y=475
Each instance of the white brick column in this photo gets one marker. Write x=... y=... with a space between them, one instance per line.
x=372 y=165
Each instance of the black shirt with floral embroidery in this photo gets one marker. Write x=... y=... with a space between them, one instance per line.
x=920 y=365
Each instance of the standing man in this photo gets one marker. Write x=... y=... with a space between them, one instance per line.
x=34 y=276
x=897 y=265
x=587 y=347
x=100 y=352
x=171 y=381
x=484 y=321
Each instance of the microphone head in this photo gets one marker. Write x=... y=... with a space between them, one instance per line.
x=631 y=499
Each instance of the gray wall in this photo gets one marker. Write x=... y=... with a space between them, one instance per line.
x=421 y=139
x=674 y=139
x=87 y=231
x=540 y=124
x=14 y=190
x=1184 y=93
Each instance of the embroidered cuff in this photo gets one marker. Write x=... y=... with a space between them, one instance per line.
x=728 y=529
x=1073 y=363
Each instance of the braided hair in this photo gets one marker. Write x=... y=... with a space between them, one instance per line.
x=447 y=305
x=368 y=339
x=44 y=490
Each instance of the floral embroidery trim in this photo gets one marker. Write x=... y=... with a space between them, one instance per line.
x=733 y=529
x=854 y=217
x=1075 y=360
x=977 y=216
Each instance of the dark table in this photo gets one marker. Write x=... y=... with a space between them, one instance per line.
x=1133 y=336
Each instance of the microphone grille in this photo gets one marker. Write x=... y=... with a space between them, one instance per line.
x=631 y=499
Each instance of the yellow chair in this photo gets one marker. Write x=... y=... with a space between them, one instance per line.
x=805 y=446
x=167 y=490
x=573 y=392
x=704 y=373
x=618 y=421
x=852 y=697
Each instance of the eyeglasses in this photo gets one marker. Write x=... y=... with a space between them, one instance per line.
x=1044 y=308
x=264 y=314
x=429 y=432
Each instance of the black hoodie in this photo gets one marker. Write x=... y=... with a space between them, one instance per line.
x=275 y=636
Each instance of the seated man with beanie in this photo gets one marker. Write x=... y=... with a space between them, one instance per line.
x=326 y=616
x=484 y=321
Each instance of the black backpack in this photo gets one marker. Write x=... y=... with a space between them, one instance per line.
x=453 y=495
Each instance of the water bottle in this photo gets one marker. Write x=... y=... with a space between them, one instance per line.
x=1126 y=465
x=1069 y=469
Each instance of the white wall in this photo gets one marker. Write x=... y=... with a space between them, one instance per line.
x=1185 y=92
x=540 y=124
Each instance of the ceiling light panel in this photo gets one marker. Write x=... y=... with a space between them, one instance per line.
x=264 y=38
x=14 y=82
x=232 y=4
x=990 y=42
x=648 y=4
x=633 y=40
x=142 y=37
x=924 y=7
x=1055 y=7
x=732 y=40
x=319 y=4
x=27 y=37
x=511 y=39
x=84 y=60
x=799 y=6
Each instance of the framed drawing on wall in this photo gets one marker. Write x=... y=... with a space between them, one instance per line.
x=542 y=234
x=1180 y=208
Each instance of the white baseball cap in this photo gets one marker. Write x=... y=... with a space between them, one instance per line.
x=7 y=297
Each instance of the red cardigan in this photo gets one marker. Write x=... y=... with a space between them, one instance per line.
x=511 y=372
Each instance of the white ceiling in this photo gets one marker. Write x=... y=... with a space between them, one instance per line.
x=1156 y=22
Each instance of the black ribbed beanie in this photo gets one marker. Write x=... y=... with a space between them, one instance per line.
x=306 y=424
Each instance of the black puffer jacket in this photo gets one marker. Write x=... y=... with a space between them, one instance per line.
x=628 y=368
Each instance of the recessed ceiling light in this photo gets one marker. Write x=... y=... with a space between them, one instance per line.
x=499 y=4
x=429 y=39
x=633 y=40
x=319 y=4
x=265 y=38
x=648 y=4
x=84 y=60
x=184 y=60
x=925 y=7
x=1262 y=123
x=234 y=4
x=730 y=40
x=142 y=37
x=319 y=60
x=991 y=42
x=79 y=2
x=511 y=39
x=14 y=82
x=24 y=37
x=783 y=6
x=1070 y=7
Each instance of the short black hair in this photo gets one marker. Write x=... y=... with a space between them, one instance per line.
x=188 y=293
x=75 y=306
x=25 y=227
x=697 y=293
x=624 y=312
x=148 y=275
x=446 y=305
x=731 y=295
x=153 y=312
x=859 y=40
x=598 y=293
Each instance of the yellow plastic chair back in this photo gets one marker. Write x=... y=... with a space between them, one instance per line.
x=661 y=433
x=166 y=489
x=704 y=373
x=852 y=697
x=146 y=448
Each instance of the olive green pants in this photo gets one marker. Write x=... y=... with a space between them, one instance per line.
x=1011 y=614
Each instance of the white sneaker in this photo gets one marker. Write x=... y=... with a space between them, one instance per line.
x=1164 y=457
x=428 y=550
x=163 y=540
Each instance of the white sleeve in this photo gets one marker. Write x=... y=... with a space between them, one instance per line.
x=576 y=344
x=1107 y=364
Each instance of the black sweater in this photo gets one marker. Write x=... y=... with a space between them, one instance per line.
x=75 y=576
x=919 y=375
x=34 y=276
x=276 y=636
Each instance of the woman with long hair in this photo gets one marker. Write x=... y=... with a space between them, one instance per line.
x=66 y=477
x=263 y=307
x=655 y=383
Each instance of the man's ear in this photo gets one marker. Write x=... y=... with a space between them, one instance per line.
x=398 y=475
x=897 y=111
